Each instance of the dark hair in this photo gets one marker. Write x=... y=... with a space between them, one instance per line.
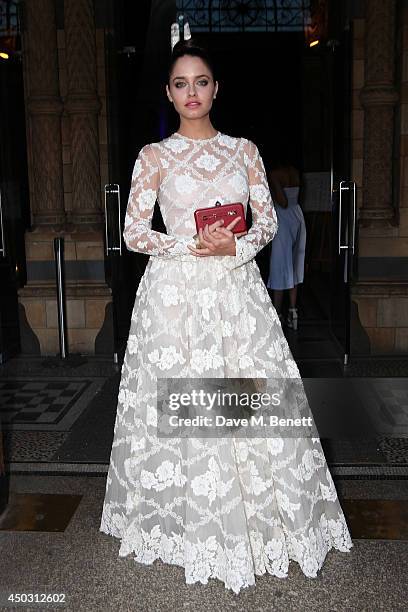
x=194 y=49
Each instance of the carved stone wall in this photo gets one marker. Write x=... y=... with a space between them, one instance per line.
x=378 y=98
x=44 y=108
x=67 y=143
x=82 y=105
x=380 y=169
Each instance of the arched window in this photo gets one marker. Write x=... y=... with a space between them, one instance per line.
x=9 y=26
x=245 y=15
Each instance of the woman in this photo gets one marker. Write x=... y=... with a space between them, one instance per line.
x=287 y=258
x=222 y=508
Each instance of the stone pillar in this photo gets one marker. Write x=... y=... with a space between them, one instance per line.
x=82 y=105
x=44 y=108
x=66 y=61
x=378 y=98
x=380 y=58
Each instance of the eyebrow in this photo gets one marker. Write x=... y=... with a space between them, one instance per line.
x=197 y=77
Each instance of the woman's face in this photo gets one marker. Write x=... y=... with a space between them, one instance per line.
x=191 y=87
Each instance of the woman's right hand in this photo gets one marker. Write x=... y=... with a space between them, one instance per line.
x=229 y=227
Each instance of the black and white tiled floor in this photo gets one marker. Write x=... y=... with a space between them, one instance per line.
x=66 y=414
x=42 y=401
x=44 y=404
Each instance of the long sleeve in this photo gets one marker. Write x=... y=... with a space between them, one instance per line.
x=264 y=219
x=137 y=234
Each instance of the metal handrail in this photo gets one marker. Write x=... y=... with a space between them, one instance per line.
x=60 y=278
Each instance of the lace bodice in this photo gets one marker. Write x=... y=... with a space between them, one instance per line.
x=184 y=174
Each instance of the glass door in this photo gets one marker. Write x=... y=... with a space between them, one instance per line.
x=343 y=190
x=9 y=326
x=14 y=203
x=129 y=128
x=328 y=197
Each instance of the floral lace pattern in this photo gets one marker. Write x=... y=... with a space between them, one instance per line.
x=184 y=175
x=227 y=508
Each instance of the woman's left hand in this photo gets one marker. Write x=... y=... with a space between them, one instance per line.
x=217 y=241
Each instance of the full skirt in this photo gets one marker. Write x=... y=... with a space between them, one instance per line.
x=227 y=508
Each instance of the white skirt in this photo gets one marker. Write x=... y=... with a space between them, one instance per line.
x=227 y=508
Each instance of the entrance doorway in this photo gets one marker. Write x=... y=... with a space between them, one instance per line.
x=14 y=202
x=274 y=90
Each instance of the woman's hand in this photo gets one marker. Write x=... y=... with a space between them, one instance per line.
x=216 y=239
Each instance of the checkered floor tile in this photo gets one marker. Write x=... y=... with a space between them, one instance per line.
x=46 y=404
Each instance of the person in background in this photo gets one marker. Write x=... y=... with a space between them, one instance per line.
x=287 y=258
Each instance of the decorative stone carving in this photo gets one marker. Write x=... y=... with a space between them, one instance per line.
x=82 y=105
x=44 y=108
x=378 y=98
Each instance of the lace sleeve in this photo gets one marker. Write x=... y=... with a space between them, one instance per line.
x=137 y=234
x=264 y=219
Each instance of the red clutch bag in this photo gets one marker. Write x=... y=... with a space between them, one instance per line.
x=227 y=212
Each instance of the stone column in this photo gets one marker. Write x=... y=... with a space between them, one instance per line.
x=44 y=109
x=71 y=65
x=380 y=291
x=82 y=105
x=378 y=98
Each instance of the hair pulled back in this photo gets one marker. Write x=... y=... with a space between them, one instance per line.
x=194 y=49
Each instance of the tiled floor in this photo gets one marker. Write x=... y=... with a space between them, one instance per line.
x=84 y=564
x=375 y=470
x=73 y=408
x=45 y=404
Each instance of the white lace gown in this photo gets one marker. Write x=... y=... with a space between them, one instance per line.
x=227 y=508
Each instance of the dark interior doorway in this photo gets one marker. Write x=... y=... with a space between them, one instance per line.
x=14 y=202
x=273 y=90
